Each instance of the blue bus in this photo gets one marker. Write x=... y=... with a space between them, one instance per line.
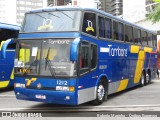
x=6 y=65
x=72 y=55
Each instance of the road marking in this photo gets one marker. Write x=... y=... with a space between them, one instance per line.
x=89 y=108
x=7 y=95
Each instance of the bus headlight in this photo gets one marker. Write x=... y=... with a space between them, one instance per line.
x=65 y=88
x=19 y=85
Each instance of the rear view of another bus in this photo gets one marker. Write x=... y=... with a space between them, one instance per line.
x=7 y=31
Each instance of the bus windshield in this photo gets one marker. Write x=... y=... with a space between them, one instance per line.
x=45 y=57
x=52 y=21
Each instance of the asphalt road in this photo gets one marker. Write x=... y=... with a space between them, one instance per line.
x=145 y=98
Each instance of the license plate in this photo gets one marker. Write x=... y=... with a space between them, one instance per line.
x=41 y=96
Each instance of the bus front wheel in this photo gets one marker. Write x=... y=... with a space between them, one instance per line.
x=143 y=79
x=101 y=93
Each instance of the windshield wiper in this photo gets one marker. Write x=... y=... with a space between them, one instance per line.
x=38 y=15
x=49 y=64
x=51 y=13
x=35 y=62
x=64 y=14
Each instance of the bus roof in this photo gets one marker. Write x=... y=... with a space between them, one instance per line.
x=61 y=8
x=9 y=26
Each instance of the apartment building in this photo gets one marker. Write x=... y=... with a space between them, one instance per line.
x=12 y=11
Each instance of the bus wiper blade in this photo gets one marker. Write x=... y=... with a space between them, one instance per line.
x=33 y=63
x=51 y=14
x=52 y=70
x=38 y=15
x=47 y=58
x=49 y=64
x=64 y=14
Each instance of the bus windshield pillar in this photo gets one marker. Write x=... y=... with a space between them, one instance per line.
x=4 y=47
x=74 y=49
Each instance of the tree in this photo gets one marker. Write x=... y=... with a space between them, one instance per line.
x=154 y=16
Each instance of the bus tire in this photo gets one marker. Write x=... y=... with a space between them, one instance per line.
x=143 y=79
x=101 y=93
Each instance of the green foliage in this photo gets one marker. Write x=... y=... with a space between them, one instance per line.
x=156 y=0
x=154 y=16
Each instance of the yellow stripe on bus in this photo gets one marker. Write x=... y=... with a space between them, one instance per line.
x=29 y=81
x=139 y=67
x=147 y=49
x=123 y=85
x=134 y=49
x=12 y=75
x=1 y=44
x=4 y=84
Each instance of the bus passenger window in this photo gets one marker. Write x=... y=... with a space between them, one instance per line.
x=128 y=33
x=137 y=36
x=120 y=31
x=101 y=27
x=12 y=46
x=155 y=40
x=93 y=56
x=117 y=31
x=144 y=38
x=150 y=40
x=89 y=24
x=108 y=30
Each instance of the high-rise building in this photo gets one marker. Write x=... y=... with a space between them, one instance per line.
x=12 y=11
x=58 y=2
x=25 y=5
x=114 y=7
x=62 y=2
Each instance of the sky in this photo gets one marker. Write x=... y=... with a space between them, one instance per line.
x=87 y=3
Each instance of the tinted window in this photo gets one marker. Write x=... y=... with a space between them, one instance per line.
x=128 y=33
x=155 y=40
x=84 y=57
x=93 y=56
x=6 y=34
x=12 y=46
x=108 y=30
x=89 y=24
x=144 y=38
x=101 y=27
x=137 y=36
x=150 y=39
x=56 y=21
x=117 y=30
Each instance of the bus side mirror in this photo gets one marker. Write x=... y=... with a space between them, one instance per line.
x=74 y=49
x=4 y=47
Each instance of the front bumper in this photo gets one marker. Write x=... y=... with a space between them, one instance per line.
x=55 y=97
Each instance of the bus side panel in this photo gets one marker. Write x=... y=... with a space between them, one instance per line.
x=6 y=71
x=114 y=60
x=151 y=64
x=121 y=62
